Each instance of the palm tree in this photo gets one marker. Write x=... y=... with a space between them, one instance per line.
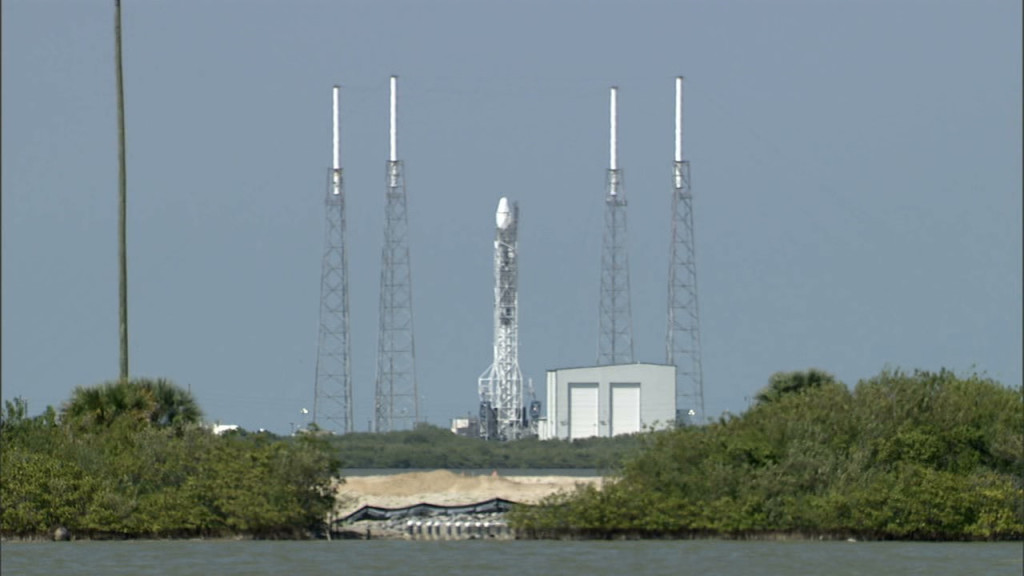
x=786 y=383
x=156 y=402
x=173 y=406
x=99 y=406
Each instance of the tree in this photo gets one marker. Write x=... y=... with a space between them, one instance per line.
x=158 y=402
x=174 y=406
x=782 y=383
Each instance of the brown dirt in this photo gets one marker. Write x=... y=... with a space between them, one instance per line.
x=448 y=488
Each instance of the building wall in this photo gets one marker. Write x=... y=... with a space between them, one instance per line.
x=657 y=397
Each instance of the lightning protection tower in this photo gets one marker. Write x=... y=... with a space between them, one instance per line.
x=682 y=347
x=332 y=398
x=501 y=385
x=396 y=398
x=615 y=335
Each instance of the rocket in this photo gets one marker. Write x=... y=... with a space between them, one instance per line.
x=503 y=216
x=501 y=385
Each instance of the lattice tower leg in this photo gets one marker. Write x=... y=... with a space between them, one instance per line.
x=615 y=333
x=396 y=395
x=332 y=401
x=683 y=340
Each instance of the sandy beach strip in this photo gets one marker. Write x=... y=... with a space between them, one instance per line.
x=443 y=487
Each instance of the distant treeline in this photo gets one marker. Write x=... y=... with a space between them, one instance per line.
x=431 y=447
x=923 y=456
x=130 y=459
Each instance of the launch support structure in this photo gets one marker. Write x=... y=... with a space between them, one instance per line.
x=501 y=386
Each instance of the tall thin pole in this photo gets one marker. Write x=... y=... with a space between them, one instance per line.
x=393 y=132
x=122 y=185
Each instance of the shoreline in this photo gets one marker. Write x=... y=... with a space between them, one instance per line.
x=355 y=534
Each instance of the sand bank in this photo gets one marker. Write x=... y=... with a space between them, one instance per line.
x=449 y=488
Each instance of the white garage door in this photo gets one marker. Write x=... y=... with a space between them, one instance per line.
x=625 y=408
x=582 y=410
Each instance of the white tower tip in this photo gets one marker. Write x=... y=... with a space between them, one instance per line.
x=336 y=153
x=679 y=119
x=613 y=113
x=394 y=112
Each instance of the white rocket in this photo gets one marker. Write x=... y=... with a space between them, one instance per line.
x=501 y=385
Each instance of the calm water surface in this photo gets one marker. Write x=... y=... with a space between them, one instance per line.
x=704 y=558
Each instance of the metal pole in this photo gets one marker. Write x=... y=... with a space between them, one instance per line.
x=394 y=113
x=613 y=118
x=122 y=199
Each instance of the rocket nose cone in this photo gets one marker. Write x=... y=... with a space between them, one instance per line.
x=503 y=216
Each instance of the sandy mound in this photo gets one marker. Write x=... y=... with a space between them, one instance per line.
x=448 y=488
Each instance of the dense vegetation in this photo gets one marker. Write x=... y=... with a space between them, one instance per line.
x=129 y=459
x=432 y=447
x=908 y=456
x=901 y=456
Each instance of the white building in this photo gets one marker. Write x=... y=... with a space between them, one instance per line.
x=608 y=400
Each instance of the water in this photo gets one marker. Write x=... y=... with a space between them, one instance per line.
x=519 y=558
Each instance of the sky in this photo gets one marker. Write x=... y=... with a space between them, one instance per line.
x=856 y=171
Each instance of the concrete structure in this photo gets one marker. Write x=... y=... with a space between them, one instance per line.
x=609 y=400
x=469 y=427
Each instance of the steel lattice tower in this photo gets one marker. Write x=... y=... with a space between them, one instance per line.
x=332 y=399
x=396 y=398
x=501 y=385
x=615 y=335
x=682 y=345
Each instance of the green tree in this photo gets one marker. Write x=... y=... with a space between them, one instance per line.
x=158 y=402
x=174 y=406
x=784 y=383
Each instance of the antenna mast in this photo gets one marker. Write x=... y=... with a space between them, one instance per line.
x=615 y=334
x=682 y=345
x=396 y=396
x=332 y=399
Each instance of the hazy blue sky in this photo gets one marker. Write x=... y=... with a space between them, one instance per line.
x=856 y=171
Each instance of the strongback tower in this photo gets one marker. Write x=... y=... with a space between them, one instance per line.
x=682 y=345
x=501 y=385
x=396 y=397
x=332 y=398
x=615 y=332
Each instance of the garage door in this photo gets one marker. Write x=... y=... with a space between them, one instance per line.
x=625 y=408
x=582 y=410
